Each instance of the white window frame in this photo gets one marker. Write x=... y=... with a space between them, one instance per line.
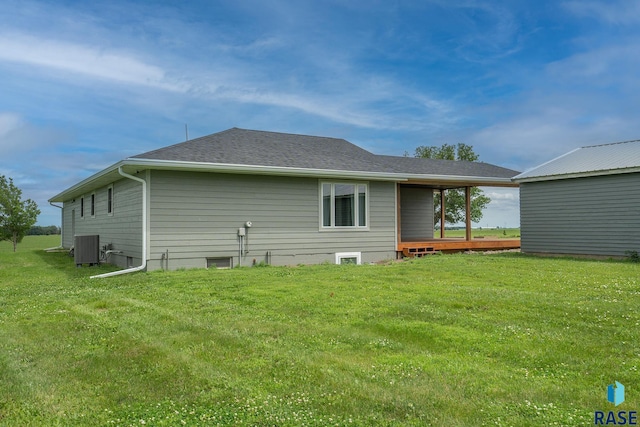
x=332 y=226
x=342 y=255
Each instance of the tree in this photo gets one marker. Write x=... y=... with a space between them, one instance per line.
x=16 y=215
x=455 y=199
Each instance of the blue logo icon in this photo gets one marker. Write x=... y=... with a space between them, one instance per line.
x=615 y=394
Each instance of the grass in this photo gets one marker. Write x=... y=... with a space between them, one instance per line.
x=489 y=233
x=455 y=340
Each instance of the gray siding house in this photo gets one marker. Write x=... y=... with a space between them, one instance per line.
x=586 y=202
x=241 y=197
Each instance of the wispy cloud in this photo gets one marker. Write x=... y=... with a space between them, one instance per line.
x=92 y=61
x=18 y=137
x=625 y=12
x=88 y=83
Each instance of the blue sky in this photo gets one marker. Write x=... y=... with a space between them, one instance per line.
x=85 y=84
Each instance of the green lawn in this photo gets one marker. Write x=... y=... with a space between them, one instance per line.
x=490 y=233
x=451 y=340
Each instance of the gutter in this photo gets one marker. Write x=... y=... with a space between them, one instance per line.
x=61 y=234
x=82 y=186
x=144 y=230
x=261 y=170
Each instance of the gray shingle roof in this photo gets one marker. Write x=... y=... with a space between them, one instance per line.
x=419 y=166
x=250 y=151
x=618 y=157
x=260 y=148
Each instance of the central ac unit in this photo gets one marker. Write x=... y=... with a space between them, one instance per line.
x=87 y=250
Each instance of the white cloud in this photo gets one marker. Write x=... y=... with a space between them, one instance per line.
x=8 y=123
x=610 y=11
x=18 y=137
x=609 y=64
x=92 y=61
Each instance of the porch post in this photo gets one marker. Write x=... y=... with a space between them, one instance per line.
x=467 y=197
x=442 y=215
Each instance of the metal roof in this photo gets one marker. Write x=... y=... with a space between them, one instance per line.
x=606 y=159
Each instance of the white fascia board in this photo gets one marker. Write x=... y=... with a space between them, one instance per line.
x=93 y=181
x=316 y=173
x=86 y=184
x=477 y=181
x=262 y=170
x=576 y=175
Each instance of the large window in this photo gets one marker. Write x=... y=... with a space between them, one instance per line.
x=344 y=205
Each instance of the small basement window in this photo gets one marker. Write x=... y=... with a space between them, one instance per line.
x=219 y=262
x=349 y=258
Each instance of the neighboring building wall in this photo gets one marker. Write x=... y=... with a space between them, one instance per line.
x=122 y=228
x=416 y=213
x=582 y=216
x=195 y=216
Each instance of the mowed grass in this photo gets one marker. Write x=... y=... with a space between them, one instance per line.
x=488 y=233
x=451 y=340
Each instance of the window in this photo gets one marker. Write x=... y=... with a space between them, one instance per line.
x=110 y=200
x=81 y=207
x=349 y=258
x=219 y=262
x=344 y=205
x=93 y=205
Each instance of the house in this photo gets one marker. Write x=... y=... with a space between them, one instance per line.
x=241 y=197
x=586 y=202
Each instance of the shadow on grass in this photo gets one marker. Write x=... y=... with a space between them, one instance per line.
x=65 y=264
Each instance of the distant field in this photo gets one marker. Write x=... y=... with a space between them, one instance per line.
x=453 y=340
x=29 y=243
x=492 y=233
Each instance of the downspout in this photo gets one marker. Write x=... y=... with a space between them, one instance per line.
x=144 y=230
x=61 y=225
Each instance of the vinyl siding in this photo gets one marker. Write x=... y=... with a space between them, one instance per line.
x=195 y=216
x=582 y=216
x=416 y=213
x=122 y=229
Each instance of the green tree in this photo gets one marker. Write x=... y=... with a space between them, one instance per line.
x=454 y=198
x=17 y=216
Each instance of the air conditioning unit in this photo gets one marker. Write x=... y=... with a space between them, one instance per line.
x=86 y=250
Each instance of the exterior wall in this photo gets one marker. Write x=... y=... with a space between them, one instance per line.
x=122 y=229
x=581 y=216
x=195 y=216
x=416 y=213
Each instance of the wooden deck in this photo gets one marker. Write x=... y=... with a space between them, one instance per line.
x=413 y=249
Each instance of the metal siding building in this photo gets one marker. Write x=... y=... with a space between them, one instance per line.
x=586 y=202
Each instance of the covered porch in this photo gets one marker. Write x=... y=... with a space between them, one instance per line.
x=416 y=231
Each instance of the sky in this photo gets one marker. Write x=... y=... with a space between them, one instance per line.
x=86 y=84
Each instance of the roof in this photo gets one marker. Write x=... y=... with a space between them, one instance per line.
x=420 y=166
x=259 y=152
x=605 y=159
x=261 y=148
